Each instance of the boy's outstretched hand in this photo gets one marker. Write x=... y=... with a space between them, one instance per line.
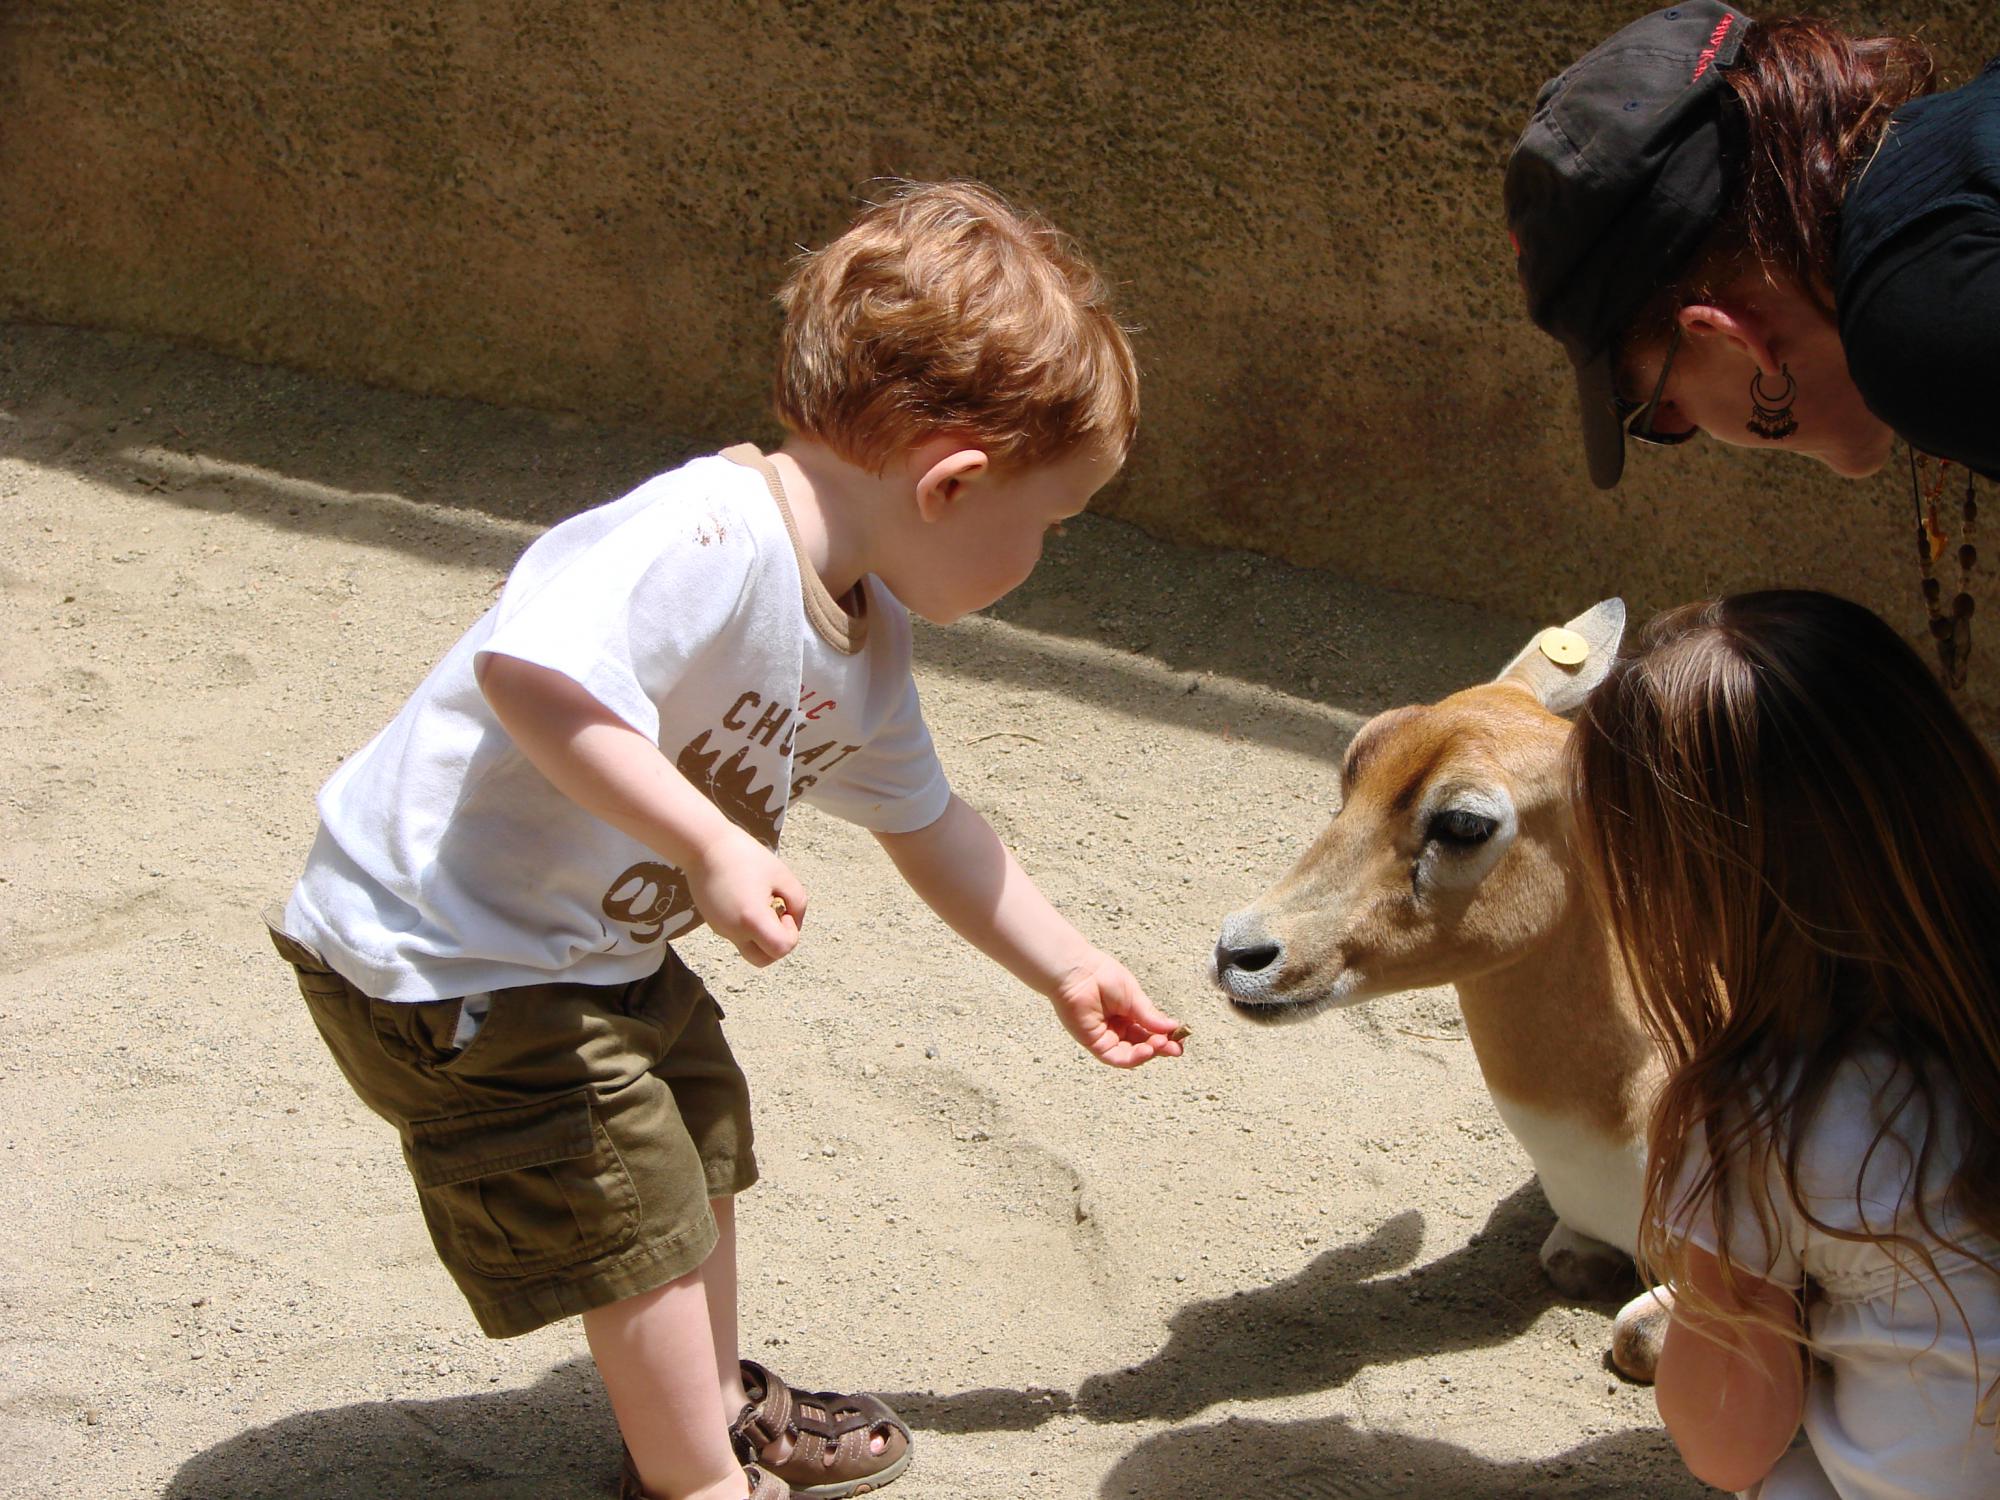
x=968 y=877
x=1101 y=1005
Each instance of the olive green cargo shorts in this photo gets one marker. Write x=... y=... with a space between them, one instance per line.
x=566 y=1154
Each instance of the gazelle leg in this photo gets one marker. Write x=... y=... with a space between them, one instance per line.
x=1586 y=1269
x=1638 y=1332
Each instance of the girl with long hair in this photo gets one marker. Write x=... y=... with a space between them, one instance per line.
x=1795 y=839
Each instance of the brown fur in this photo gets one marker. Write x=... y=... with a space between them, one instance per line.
x=1389 y=898
x=1520 y=948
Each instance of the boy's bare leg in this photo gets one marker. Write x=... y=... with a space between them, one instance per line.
x=657 y=1355
x=719 y=1278
x=719 y=1281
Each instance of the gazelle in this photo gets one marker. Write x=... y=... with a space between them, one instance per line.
x=1449 y=863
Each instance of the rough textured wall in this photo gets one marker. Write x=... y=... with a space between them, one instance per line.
x=586 y=206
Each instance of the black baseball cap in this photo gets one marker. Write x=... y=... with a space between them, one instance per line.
x=1617 y=180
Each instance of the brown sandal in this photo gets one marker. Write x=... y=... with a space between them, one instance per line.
x=831 y=1436
x=763 y=1486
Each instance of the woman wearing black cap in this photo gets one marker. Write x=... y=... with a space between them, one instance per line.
x=1779 y=235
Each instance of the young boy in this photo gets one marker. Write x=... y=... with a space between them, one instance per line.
x=606 y=759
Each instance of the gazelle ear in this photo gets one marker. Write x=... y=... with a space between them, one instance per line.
x=1563 y=663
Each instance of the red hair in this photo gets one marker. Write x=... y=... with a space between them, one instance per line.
x=1812 y=104
x=941 y=309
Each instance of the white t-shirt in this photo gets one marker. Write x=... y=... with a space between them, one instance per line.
x=1895 y=1419
x=446 y=864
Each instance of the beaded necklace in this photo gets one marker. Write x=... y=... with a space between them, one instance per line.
x=1951 y=625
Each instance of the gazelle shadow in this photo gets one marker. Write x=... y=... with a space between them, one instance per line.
x=1342 y=1313
x=1313 y=1331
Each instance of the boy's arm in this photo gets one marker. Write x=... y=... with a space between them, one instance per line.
x=1731 y=1393
x=608 y=768
x=969 y=878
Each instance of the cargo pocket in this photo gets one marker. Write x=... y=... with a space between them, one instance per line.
x=317 y=980
x=523 y=1190
x=322 y=984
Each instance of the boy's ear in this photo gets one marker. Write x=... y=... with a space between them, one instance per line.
x=1563 y=663
x=945 y=479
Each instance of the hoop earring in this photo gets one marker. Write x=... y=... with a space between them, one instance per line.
x=1771 y=415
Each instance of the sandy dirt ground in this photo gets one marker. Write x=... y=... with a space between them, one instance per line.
x=1295 y=1264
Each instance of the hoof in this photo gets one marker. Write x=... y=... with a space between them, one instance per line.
x=1585 y=1269
x=1638 y=1333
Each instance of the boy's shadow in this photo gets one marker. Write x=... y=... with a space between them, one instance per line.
x=554 y=1440
x=1329 y=1459
x=1311 y=1332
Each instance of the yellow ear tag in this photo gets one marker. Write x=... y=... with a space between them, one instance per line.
x=1563 y=647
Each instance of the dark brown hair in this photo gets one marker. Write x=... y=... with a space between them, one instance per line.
x=1795 y=839
x=942 y=309
x=1811 y=106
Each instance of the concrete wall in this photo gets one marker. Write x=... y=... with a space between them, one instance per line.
x=585 y=205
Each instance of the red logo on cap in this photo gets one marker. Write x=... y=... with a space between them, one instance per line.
x=1714 y=46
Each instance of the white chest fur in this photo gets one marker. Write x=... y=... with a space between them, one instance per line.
x=1593 y=1181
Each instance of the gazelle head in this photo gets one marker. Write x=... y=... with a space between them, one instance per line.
x=1449 y=856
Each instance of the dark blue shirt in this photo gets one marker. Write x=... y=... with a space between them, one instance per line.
x=1916 y=279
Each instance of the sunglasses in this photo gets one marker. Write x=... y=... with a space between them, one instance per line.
x=1636 y=417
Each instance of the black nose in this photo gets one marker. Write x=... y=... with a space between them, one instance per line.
x=1250 y=960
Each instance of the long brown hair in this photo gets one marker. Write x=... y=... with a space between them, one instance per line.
x=1811 y=107
x=1795 y=839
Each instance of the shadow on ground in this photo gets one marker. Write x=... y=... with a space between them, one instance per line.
x=1314 y=1331
x=1344 y=1312
x=554 y=1440
x=1357 y=1305
x=1330 y=1459
x=432 y=476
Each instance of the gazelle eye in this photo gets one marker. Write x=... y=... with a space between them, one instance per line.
x=1458 y=828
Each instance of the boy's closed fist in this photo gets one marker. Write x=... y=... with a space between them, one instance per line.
x=748 y=895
